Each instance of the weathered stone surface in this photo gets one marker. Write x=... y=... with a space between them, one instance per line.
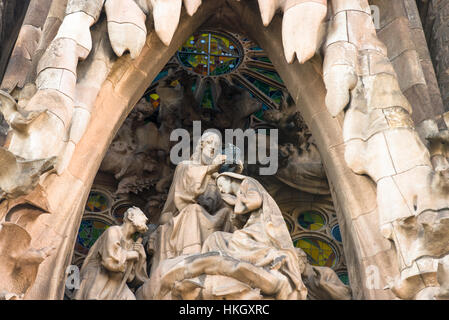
x=37 y=13
x=18 y=260
x=61 y=54
x=397 y=45
x=355 y=66
x=408 y=69
x=395 y=10
x=90 y=7
x=76 y=27
x=436 y=28
x=301 y=30
x=126 y=27
x=418 y=95
x=166 y=18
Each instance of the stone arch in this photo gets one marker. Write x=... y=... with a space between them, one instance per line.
x=68 y=192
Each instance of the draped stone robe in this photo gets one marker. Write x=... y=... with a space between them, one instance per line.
x=190 y=224
x=264 y=241
x=255 y=262
x=104 y=268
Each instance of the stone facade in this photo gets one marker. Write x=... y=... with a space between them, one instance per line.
x=363 y=123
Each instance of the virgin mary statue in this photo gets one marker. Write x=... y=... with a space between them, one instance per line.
x=257 y=261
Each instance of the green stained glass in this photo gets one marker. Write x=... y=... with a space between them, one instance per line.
x=97 y=202
x=221 y=65
x=344 y=277
x=262 y=58
x=196 y=63
x=272 y=92
x=198 y=43
x=208 y=101
x=311 y=220
x=222 y=46
x=270 y=74
x=89 y=231
x=259 y=114
x=319 y=252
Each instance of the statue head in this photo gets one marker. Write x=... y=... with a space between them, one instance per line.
x=207 y=148
x=229 y=182
x=137 y=218
x=224 y=184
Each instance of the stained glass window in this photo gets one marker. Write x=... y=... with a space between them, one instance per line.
x=336 y=233
x=208 y=100
x=90 y=230
x=311 y=220
x=273 y=75
x=97 y=202
x=259 y=114
x=160 y=76
x=270 y=91
x=319 y=252
x=119 y=213
x=154 y=99
x=344 y=277
x=210 y=54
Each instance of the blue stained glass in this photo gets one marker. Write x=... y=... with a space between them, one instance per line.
x=89 y=231
x=336 y=233
x=160 y=76
x=259 y=114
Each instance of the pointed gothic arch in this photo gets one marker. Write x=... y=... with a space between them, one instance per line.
x=126 y=83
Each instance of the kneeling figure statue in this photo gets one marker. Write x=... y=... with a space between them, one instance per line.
x=115 y=260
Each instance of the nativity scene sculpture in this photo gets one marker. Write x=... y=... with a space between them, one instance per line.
x=221 y=236
x=185 y=224
x=255 y=262
x=362 y=86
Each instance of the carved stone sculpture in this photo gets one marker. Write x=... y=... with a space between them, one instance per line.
x=185 y=224
x=255 y=262
x=237 y=104
x=380 y=141
x=379 y=137
x=300 y=162
x=19 y=262
x=322 y=282
x=115 y=260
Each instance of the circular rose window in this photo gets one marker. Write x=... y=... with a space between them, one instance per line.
x=210 y=54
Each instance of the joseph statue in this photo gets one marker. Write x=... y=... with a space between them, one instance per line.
x=115 y=260
x=184 y=222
